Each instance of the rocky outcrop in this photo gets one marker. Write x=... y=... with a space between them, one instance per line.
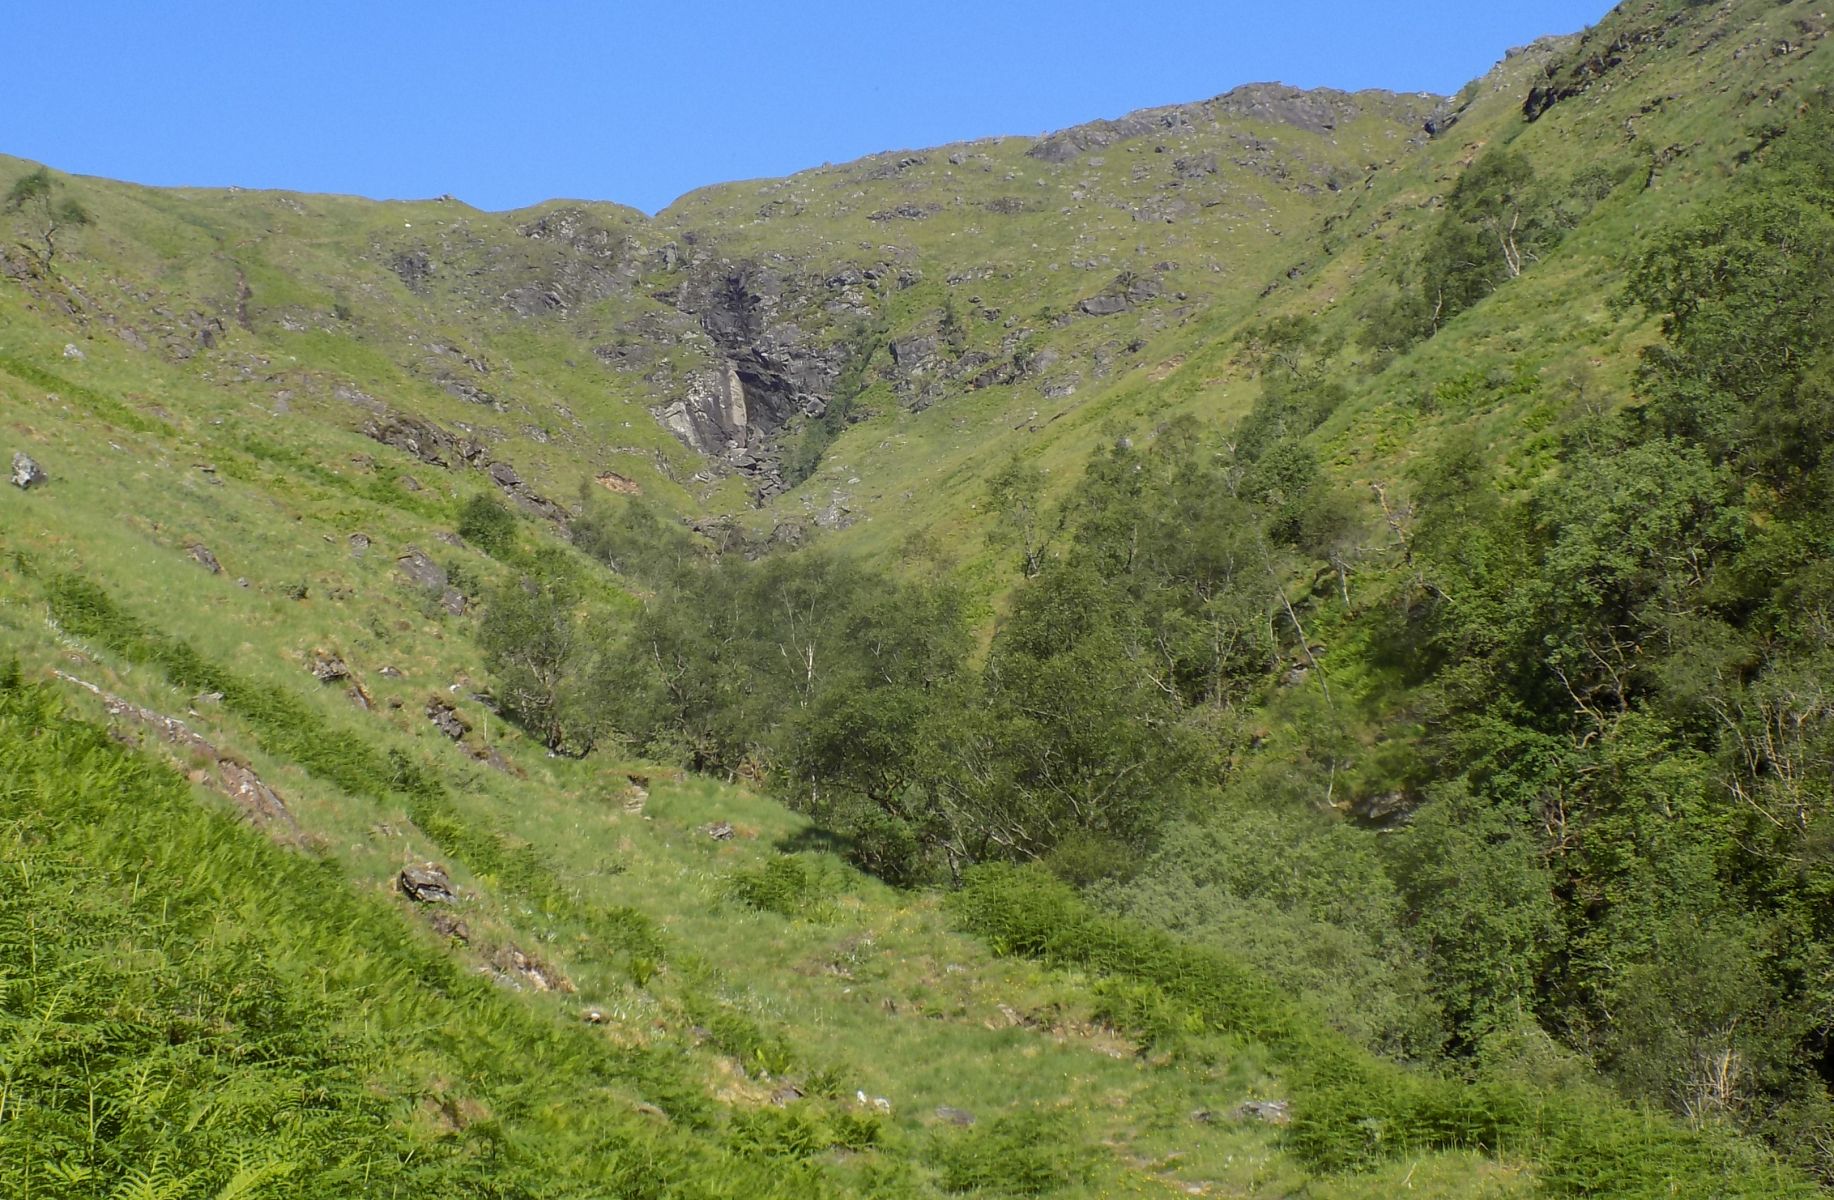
x=423 y=439
x=1319 y=111
x=441 y=448
x=421 y=571
x=1126 y=292
x=27 y=474
x=596 y=261
x=226 y=774
x=1596 y=54
x=767 y=371
x=201 y=555
x=427 y=883
x=446 y=719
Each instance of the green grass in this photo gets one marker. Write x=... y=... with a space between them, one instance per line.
x=724 y=970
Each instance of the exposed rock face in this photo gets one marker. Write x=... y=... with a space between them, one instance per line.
x=228 y=774
x=26 y=472
x=423 y=439
x=414 y=268
x=597 y=262
x=424 y=573
x=426 y=884
x=1320 y=111
x=1598 y=53
x=441 y=448
x=767 y=369
x=1123 y=294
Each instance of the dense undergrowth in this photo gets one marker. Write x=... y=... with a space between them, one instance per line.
x=1351 y=1108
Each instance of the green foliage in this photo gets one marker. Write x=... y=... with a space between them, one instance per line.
x=1498 y=221
x=547 y=652
x=804 y=1131
x=787 y=886
x=1309 y=900
x=1026 y=1153
x=46 y=215
x=1483 y=909
x=187 y=1010
x=1350 y=1109
x=488 y=525
x=291 y=729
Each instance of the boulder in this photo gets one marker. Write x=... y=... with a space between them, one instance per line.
x=954 y=1116
x=327 y=667
x=446 y=719
x=26 y=472
x=201 y=555
x=1106 y=305
x=426 y=884
x=421 y=570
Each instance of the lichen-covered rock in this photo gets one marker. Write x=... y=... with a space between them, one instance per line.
x=427 y=883
x=26 y=472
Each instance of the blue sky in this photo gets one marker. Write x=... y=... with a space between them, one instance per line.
x=504 y=104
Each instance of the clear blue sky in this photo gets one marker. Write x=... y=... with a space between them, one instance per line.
x=504 y=104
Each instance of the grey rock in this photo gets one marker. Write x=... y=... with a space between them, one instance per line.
x=201 y=555
x=913 y=353
x=1106 y=305
x=73 y=351
x=906 y=212
x=27 y=473
x=719 y=831
x=327 y=667
x=1195 y=167
x=421 y=570
x=1273 y=1112
x=426 y=884
x=446 y=719
x=414 y=268
x=954 y=1116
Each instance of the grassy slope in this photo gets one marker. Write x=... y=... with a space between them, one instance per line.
x=880 y=989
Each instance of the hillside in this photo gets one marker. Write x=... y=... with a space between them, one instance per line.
x=1269 y=646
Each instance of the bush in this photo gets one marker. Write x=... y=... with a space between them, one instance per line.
x=488 y=525
x=789 y=887
x=1027 y=1153
x=1350 y=1108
